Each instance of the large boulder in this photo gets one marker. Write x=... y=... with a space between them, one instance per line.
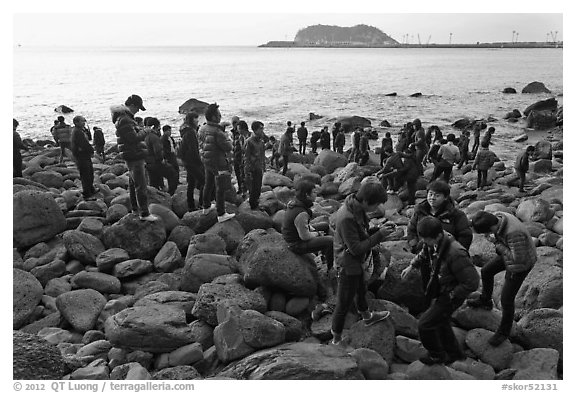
x=26 y=295
x=274 y=179
x=330 y=160
x=535 y=87
x=535 y=209
x=101 y=282
x=83 y=246
x=169 y=218
x=543 y=287
x=193 y=105
x=48 y=178
x=498 y=357
x=181 y=300
x=142 y=239
x=230 y=231
x=535 y=364
x=254 y=219
x=203 y=268
x=544 y=105
x=211 y=294
x=302 y=361
x=350 y=122
x=542 y=328
x=36 y=218
x=81 y=308
x=206 y=243
x=34 y=358
x=379 y=337
x=541 y=120
x=265 y=260
x=168 y=258
x=153 y=328
x=543 y=150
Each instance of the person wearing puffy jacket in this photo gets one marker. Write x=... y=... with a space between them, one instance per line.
x=191 y=159
x=453 y=278
x=484 y=160
x=215 y=146
x=130 y=139
x=522 y=164
x=83 y=152
x=516 y=255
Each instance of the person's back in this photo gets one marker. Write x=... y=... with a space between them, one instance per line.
x=189 y=147
x=485 y=158
x=154 y=148
x=340 y=141
x=99 y=140
x=302 y=133
x=449 y=153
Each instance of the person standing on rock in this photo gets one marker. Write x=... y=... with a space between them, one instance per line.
x=488 y=136
x=420 y=140
x=324 y=138
x=83 y=152
x=302 y=134
x=255 y=163
x=215 y=146
x=191 y=159
x=447 y=156
x=453 y=278
x=285 y=148
x=62 y=133
x=335 y=132
x=169 y=150
x=239 y=135
x=476 y=130
x=99 y=142
x=18 y=145
x=353 y=243
x=296 y=230
x=355 y=145
x=523 y=164
x=132 y=149
x=340 y=141
x=516 y=255
x=155 y=158
x=484 y=160
x=440 y=205
x=463 y=147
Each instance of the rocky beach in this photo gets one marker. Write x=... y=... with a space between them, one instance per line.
x=99 y=294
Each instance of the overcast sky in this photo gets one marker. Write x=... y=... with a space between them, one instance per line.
x=253 y=22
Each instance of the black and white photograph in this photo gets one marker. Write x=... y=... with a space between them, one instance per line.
x=205 y=194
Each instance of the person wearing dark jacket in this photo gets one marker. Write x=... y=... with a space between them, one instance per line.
x=132 y=149
x=324 y=138
x=83 y=152
x=420 y=140
x=99 y=142
x=484 y=160
x=255 y=163
x=364 y=152
x=453 y=278
x=516 y=255
x=386 y=148
x=302 y=134
x=18 y=145
x=340 y=141
x=239 y=136
x=391 y=172
x=285 y=148
x=169 y=150
x=353 y=243
x=463 y=147
x=410 y=172
x=191 y=158
x=335 y=131
x=314 y=141
x=215 y=147
x=155 y=158
x=62 y=133
x=522 y=164
x=440 y=205
x=296 y=230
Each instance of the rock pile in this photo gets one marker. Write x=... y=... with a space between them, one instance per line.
x=99 y=294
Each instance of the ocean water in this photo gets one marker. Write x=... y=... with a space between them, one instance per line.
x=274 y=85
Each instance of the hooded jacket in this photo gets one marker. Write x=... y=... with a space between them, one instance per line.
x=457 y=275
x=189 y=147
x=215 y=145
x=514 y=244
x=485 y=158
x=155 y=149
x=454 y=221
x=352 y=243
x=130 y=137
x=254 y=155
x=81 y=148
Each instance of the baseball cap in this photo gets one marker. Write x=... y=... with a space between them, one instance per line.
x=135 y=100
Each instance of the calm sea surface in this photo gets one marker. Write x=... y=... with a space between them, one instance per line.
x=276 y=85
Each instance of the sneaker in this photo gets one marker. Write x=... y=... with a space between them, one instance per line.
x=320 y=310
x=497 y=339
x=430 y=359
x=480 y=303
x=149 y=217
x=336 y=338
x=225 y=217
x=376 y=316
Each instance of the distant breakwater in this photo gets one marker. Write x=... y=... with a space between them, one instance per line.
x=495 y=45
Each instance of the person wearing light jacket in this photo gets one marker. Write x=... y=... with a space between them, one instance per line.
x=452 y=279
x=516 y=255
x=353 y=243
x=132 y=149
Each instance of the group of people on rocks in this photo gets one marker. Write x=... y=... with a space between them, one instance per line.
x=439 y=234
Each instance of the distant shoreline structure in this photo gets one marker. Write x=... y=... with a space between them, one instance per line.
x=483 y=45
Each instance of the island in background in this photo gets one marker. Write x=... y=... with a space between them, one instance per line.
x=364 y=36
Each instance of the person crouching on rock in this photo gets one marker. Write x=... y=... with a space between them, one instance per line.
x=353 y=245
x=296 y=230
x=83 y=152
x=516 y=255
x=452 y=279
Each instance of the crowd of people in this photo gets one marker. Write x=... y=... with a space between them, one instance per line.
x=439 y=234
